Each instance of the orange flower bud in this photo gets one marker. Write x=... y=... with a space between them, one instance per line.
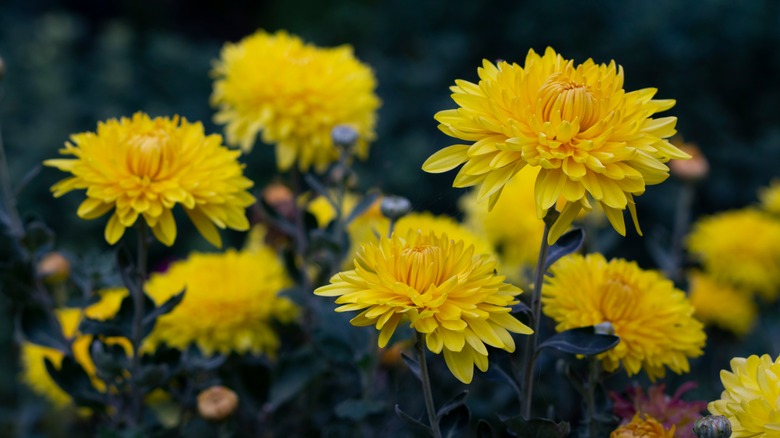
x=693 y=170
x=217 y=403
x=54 y=268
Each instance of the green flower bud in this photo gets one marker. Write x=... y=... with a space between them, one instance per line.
x=712 y=426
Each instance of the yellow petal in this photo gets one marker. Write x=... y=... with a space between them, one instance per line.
x=446 y=159
x=165 y=230
x=114 y=230
x=460 y=364
x=205 y=226
x=93 y=208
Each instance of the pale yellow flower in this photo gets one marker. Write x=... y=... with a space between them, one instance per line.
x=653 y=319
x=145 y=167
x=441 y=287
x=576 y=122
x=293 y=94
x=751 y=397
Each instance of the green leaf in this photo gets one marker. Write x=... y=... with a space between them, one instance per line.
x=416 y=424
x=496 y=373
x=484 y=430
x=455 y=421
x=452 y=404
x=41 y=327
x=295 y=372
x=582 y=340
x=413 y=365
x=567 y=244
x=38 y=237
x=357 y=410
x=72 y=378
x=536 y=427
x=150 y=317
x=110 y=360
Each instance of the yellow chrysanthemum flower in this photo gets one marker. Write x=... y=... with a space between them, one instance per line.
x=34 y=371
x=740 y=247
x=295 y=93
x=653 y=319
x=770 y=197
x=143 y=166
x=230 y=303
x=445 y=290
x=587 y=134
x=722 y=305
x=643 y=427
x=751 y=397
x=511 y=226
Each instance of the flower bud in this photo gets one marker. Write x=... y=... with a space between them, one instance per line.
x=395 y=207
x=693 y=170
x=344 y=136
x=712 y=426
x=605 y=328
x=217 y=403
x=54 y=268
x=280 y=198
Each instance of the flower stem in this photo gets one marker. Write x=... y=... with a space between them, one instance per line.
x=531 y=341
x=682 y=220
x=426 y=384
x=137 y=334
x=590 y=395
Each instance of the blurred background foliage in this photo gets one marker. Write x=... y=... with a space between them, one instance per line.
x=71 y=64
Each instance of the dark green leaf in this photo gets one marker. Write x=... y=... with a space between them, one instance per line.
x=38 y=237
x=413 y=365
x=357 y=410
x=416 y=424
x=17 y=280
x=121 y=324
x=536 y=428
x=567 y=244
x=152 y=376
x=484 y=430
x=72 y=378
x=455 y=422
x=41 y=327
x=497 y=374
x=150 y=318
x=582 y=340
x=319 y=188
x=195 y=361
x=110 y=359
x=362 y=206
x=452 y=404
x=295 y=372
x=127 y=269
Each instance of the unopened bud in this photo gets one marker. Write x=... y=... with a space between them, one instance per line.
x=395 y=207
x=712 y=426
x=693 y=170
x=54 y=268
x=217 y=403
x=605 y=328
x=280 y=198
x=344 y=136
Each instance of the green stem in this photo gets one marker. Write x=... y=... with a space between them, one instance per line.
x=590 y=395
x=682 y=220
x=136 y=396
x=531 y=341
x=426 y=384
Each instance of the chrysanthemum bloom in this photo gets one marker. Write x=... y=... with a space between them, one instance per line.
x=653 y=319
x=587 y=134
x=643 y=427
x=143 y=167
x=445 y=291
x=770 y=197
x=511 y=226
x=667 y=410
x=721 y=304
x=751 y=399
x=740 y=247
x=231 y=302
x=34 y=371
x=295 y=94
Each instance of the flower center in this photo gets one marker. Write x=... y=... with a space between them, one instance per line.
x=570 y=99
x=421 y=266
x=147 y=153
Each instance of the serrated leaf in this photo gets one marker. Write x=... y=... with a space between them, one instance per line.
x=416 y=424
x=41 y=327
x=535 y=428
x=413 y=365
x=569 y=243
x=357 y=410
x=582 y=340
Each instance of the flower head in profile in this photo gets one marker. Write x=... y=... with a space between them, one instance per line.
x=643 y=426
x=231 y=302
x=740 y=247
x=34 y=372
x=721 y=304
x=293 y=94
x=653 y=319
x=770 y=197
x=588 y=136
x=144 y=167
x=443 y=289
x=751 y=397
x=667 y=410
